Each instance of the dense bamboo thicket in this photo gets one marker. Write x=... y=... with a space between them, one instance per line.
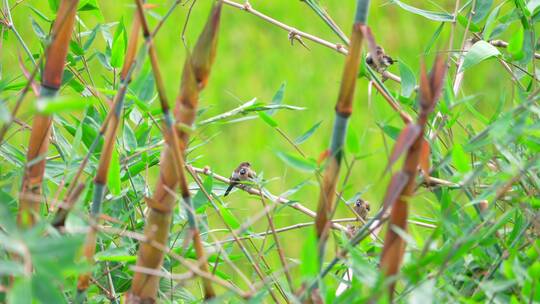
x=110 y=191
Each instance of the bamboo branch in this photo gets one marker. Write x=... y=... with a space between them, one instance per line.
x=40 y=136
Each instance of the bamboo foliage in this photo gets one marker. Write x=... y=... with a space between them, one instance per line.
x=411 y=141
x=100 y=181
x=343 y=111
x=30 y=195
x=172 y=176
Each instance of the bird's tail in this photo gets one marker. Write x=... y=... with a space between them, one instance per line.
x=228 y=189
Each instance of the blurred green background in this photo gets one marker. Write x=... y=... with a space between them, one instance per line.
x=254 y=58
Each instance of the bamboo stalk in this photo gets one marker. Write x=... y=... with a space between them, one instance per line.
x=100 y=181
x=172 y=176
x=29 y=202
x=343 y=111
x=394 y=244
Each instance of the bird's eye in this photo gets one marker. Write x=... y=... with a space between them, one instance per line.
x=242 y=171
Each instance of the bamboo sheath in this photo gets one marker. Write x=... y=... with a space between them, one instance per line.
x=30 y=197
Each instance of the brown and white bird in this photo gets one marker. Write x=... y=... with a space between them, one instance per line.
x=361 y=208
x=379 y=61
x=242 y=173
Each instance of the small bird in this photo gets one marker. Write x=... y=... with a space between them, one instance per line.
x=380 y=61
x=242 y=173
x=361 y=207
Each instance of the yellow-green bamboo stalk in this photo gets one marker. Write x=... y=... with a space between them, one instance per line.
x=343 y=111
x=100 y=181
x=30 y=197
x=172 y=176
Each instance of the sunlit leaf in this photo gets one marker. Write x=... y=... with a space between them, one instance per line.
x=278 y=98
x=302 y=138
x=408 y=81
x=479 y=52
x=297 y=162
x=460 y=159
x=435 y=16
x=267 y=119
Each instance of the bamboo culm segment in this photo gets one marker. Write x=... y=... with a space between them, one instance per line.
x=30 y=197
x=195 y=75
x=343 y=111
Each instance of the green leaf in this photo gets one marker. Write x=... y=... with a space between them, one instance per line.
x=408 y=81
x=267 y=119
x=229 y=218
x=435 y=16
x=309 y=267
x=53 y=5
x=481 y=10
x=434 y=38
x=119 y=45
x=200 y=200
x=45 y=290
x=113 y=176
x=460 y=159
x=20 y=292
x=479 y=52
x=464 y=22
x=297 y=162
x=278 y=98
x=515 y=44
x=302 y=138
x=491 y=22
x=63 y=104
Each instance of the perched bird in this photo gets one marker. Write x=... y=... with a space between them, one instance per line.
x=242 y=173
x=379 y=61
x=361 y=207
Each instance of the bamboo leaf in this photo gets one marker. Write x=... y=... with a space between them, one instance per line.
x=119 y=45
x=63 y=104
x=479 y=52
x=200 y=200
x=267 y=119
x=302 y=138
x=297 y=162
x=481 y=10
x=435 y=16
x=277 y=99
x=113 y=176
x=515 y=44
x=408 y=81
x=460 y=159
